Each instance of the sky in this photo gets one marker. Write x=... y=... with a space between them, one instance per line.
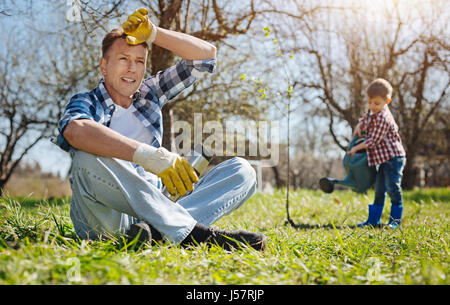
x=58 y=161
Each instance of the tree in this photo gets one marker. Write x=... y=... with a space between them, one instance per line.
x=339 y=52
x=41 y=67
x=23 y=121
x=211 y=20
x=64 y=59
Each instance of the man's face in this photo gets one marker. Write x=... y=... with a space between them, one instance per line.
x=377 y=103
x=123 y=69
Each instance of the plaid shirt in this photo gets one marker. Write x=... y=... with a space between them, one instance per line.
x=153 y=94
x=382 y=137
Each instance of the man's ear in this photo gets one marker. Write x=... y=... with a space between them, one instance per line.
x=103 y=62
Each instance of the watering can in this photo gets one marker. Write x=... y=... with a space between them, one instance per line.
x=360 y=176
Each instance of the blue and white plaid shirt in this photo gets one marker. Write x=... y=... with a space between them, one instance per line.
x=153 y=94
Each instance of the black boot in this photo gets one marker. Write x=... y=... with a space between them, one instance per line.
x=141 y=231
x=157 y=237
x=226 y=239
x=153 y=235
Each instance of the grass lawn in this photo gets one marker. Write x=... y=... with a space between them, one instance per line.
x=38 y=245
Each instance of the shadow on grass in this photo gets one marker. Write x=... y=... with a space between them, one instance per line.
x=306 y=226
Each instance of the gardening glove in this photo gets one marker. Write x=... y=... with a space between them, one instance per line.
x=139 y=28
x=176 y=173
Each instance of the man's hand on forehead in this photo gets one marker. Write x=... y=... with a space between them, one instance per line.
x=139 y=28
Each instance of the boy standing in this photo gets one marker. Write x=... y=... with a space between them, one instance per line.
x=385 y=150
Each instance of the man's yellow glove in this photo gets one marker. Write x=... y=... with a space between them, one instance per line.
x=175 y=172
x=179 y=177
x=139 y=28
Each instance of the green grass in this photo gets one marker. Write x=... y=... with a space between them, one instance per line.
x=38 y=245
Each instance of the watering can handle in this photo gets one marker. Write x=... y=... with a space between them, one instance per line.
x=356 y=140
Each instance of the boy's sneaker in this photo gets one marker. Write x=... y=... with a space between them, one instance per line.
x=228 y=240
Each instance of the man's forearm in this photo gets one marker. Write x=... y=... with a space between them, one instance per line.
x=185 y=46
x=94 y=138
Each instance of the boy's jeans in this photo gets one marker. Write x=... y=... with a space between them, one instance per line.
x=389 y=178
x=109 y=195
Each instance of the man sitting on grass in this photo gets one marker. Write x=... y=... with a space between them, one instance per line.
x=118 y=168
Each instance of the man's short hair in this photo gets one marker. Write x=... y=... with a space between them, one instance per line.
x=112 y=36
x=379 y=87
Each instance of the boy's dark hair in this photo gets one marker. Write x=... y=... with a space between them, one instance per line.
x=112 y=36
x=379 y=87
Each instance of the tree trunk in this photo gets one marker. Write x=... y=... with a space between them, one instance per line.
x=162 y=59
x=167 y=140
x=409 y=173
x=278 y=182
x=2 y=186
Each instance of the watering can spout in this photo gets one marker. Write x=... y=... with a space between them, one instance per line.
x=348 y=181
x=360 y=176
x=327 y=184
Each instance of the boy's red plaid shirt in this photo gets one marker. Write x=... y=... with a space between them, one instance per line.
x=382 y=137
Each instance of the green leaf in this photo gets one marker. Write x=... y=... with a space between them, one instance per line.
x=263 y=93
x=290 y=91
